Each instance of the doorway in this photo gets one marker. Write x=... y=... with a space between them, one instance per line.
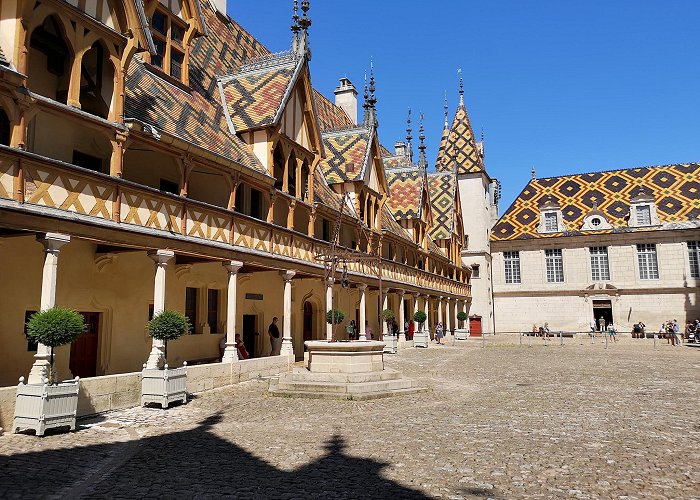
x=308 y=321
x=83 y=350
x=250 y=334
x=602 y=308
x=475 y=326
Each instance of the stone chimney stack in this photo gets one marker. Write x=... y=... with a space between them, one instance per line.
x=220 y=6
x=346 y=98
x=400 y=148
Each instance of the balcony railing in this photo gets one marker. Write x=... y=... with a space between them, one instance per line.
x=31 y=179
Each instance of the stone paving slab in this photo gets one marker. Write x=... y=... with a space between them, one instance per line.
x=504 y=421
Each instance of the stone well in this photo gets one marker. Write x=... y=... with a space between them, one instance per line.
x=343 y=370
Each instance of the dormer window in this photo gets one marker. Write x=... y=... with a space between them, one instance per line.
x=643 y=215
x=550 y=217
x=643 y=210
x=595 y=221
x=550 y=222
x=169 y=40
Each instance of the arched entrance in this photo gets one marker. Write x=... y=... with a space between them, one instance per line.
x=308 y=321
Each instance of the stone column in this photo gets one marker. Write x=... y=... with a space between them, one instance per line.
x=156 y=359
x=329 y=306
x=439 y=318
x=402 y=330
x=448 y=316
x=416 y=298
x=385 y=305
x=231 y=353
x=456 y=311
x=287 y=345
x=52 y=246
x=363 y=311
x=426 y=310
x=464 y=308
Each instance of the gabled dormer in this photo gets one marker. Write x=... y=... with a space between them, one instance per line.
x=595 y=220
x=643 y=211
x=551 y=219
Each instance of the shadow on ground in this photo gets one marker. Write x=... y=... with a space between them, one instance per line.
x=196 y=464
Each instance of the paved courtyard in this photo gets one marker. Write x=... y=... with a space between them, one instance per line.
x=501 y=422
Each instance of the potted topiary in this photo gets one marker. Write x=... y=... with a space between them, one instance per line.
x=421 y=338
x=391 y=339
x=163 y=386
x=334 y=317
x=50 y=404
x=462 y=333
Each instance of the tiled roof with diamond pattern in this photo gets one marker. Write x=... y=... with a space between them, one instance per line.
x=330 y=116
x=406 y=186
x=443 y=190
x=347 y=154
x=461 y=146
x=676 y=191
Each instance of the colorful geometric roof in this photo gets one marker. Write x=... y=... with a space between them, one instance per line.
x=675 y=188
x=197 y=116
x=443 y=192
x=330 y=116
x=406 y=184
x=390 y=225
x=255 y=96
x=460 y=146
x=347 y=154
x=3 y=59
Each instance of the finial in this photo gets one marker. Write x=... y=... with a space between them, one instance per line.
x=533 y=173
x=370 y=99
x=422 y=160
x=409 y=137
x=301 y=24
x=445 y=108
x=482 y=135
x=461 y=87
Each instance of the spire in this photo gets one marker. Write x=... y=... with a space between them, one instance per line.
x=409 y=137
x=301 y=25
x=446 y=109
x=422 y=161
x=370 y=100
x=533 y=173
x=461 y=87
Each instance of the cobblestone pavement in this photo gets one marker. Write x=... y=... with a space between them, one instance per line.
x=498 y=422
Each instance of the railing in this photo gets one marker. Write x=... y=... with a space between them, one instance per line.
x=31 y=179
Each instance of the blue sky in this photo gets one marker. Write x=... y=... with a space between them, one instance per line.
x=565 y=86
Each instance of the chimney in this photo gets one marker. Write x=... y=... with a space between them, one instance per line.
x=220 y=6
x=346 y=98
x=400 y=149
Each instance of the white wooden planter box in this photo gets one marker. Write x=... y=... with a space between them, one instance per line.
x=43 y=406
x=164 y=386
x=392 y=343
x=421 y=338
x=461 y=334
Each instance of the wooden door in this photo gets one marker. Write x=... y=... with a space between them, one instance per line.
x=249 y=334
x=475 y=326
x=308 y=321
x=83 y=351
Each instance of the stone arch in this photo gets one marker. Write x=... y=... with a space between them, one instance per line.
x=97 y=80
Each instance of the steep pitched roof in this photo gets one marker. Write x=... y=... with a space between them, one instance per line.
x=406 y=184
x=255 y=96
x=347 y=154
x=460 y=146
x=3 y=59
x=330 y=116
x=197 y=116
x=443 y=191
x=676 y=191
x=390 y=225
x=443 y=146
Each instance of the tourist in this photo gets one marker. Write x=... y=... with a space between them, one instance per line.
x=546 y=329
x=242 y=351
x=593 y=327
x=642 y=326
x=368 y=331
x=439 y=333
x=411 y=329
x=222 y=347
x=675 y=330
x=601 y=324
x=612 y=332
x=350 y=329
x=274 y=333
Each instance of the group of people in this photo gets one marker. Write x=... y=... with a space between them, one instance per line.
x=354 y=334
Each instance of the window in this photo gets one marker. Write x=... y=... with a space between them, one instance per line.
x=694 y=258
x=595 y=221
x=168 y=38
x=644 y=215
x=191 y=307
x=326 y=236
x=512 y=266
x=475 y=271
x=550 y=221
x=255 y=203
x=648 y=265
x=213 y=310
x=4 y=128
x=554 y=263
x=600 y=268
x=169 y=186
x=87 y=161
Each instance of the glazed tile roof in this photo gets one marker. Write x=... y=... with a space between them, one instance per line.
x=390 y=225
x=443 y=191
x=347 y=154
x=330 y=116
x=460 y=146
x=3 y=59
x=406 y=184
x=676 y=190
x=255 y=96
x=197 y=116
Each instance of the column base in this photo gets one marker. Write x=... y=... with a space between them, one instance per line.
x=287 y=348
x=156 y=359
x=39 y=372
x=230 y=354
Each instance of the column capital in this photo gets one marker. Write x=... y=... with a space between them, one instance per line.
x=161 y=257
x=362 y=286
x=52 y=241
x=400 y=292
x=232 y=266
x=287 y=275
x=330 y=281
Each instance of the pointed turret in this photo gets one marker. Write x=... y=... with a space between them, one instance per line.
x=409 y=138
x=445 y=135
x=370 y=105
x=422 y=160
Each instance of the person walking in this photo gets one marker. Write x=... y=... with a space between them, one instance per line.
x=675 y=329
x=601 y=324
x=274 y=333
x=368 y=331
x=612 y=332
x=439 y=333
x=350 y=330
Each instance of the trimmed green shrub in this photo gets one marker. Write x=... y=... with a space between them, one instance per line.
x=169 y=325
x=388 y=315
x=420 y=317
x=339 y=316
x=462 y=316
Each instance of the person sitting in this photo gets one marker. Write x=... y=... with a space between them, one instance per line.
x=242 y=351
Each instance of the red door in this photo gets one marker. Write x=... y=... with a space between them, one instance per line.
x=83 y=351
x=475 y=326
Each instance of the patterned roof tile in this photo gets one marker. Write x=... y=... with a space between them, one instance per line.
x=347 y=154
x=443 y=189
x=675 y=188
x=406 y=186
x=3 y=59
x=460 y=146
x=330 y=116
